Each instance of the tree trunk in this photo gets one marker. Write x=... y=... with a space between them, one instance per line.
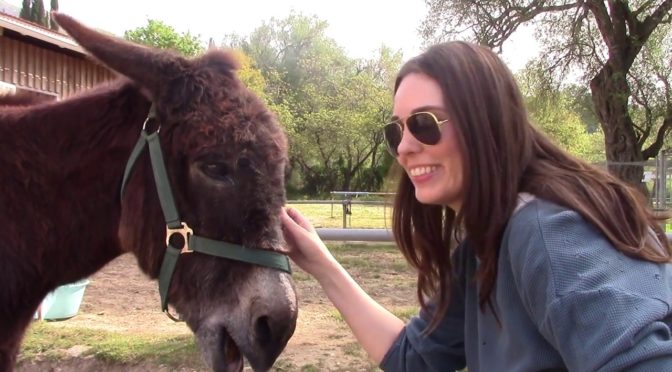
x=347 y=180
x=624 y=155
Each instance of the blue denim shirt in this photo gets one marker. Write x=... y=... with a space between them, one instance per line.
x=566 y=300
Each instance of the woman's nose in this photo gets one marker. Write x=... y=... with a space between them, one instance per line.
x=408 y=143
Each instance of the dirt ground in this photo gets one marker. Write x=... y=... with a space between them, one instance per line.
x=121 y=298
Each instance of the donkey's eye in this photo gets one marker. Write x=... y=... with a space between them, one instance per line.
x=215 y=170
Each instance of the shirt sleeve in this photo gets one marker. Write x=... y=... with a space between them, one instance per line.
x=601 y=310
x=440 y=350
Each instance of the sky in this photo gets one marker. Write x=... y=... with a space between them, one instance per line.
x=359 y=26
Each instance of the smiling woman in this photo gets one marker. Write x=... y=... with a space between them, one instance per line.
x=546 y=241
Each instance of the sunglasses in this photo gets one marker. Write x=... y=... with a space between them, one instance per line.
x=424 y=126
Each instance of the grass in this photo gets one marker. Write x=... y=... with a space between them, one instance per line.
x=379 y=258
x=402 y=312
x=50 y=341
x=362 y=217
x=351 y=257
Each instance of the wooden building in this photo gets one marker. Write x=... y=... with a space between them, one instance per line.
x=35 y=60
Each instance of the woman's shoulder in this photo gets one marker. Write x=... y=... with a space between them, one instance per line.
x=551 y=229
x=575 y=255
x=534 y=208
x=542 y=219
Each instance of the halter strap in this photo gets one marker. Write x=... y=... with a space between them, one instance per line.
x=176 y=228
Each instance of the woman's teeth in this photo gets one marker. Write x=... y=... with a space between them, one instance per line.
x=419 y=171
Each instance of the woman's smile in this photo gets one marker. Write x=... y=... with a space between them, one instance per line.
x=422 y=174
x=422 y=170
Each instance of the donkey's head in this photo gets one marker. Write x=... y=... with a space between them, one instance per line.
x=225 y=156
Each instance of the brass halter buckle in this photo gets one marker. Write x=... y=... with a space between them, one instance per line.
x=184 y=231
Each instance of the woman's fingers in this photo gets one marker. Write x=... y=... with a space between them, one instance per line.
x=298 y=218
x=285 y=219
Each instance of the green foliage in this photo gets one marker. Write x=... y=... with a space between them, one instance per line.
x=620 y=50
x=37 y=13
x=565 y=126
x=582 y=104
x=160 y=35
x=33 y=11
x=54 y=6
x=249 y=75
x=650 y=79
x=253 y=78
x=25 y=10
x=331 y=106
x=561 y=113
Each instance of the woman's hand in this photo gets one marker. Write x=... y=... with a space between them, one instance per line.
x=374 y=327
x=306 y=248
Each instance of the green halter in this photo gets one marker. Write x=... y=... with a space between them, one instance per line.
x=177 y=232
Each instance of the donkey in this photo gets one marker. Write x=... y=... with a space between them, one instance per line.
x=199 y=209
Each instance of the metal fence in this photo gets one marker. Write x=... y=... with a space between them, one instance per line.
x=347 y=203
x=356 y=235
x=370 y=235
x=657 y=178
x=660 y=186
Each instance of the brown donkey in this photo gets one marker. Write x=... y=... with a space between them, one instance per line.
x=210 y=158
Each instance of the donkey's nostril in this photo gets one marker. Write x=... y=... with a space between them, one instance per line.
x=272 y=317
x=263 y=331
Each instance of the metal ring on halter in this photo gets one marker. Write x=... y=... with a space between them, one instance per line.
x=172 y=317
x=144 y=125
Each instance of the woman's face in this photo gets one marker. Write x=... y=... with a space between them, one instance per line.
x=435 y=170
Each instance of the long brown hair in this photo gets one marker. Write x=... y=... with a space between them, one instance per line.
x=504 y=154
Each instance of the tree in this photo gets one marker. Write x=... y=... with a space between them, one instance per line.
x=25 y=10
x=651 y=79
x=54 y=7
x=557 y=113
x=254 y=79
x=38 y=14
x=605 y=40
x=160 y=35
x=334 y=107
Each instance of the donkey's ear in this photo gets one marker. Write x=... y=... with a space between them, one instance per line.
x=148 y=67
x=224 y=61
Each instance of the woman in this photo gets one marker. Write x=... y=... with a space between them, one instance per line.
x=560 y=265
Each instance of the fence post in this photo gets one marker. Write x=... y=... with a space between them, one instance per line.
x=346 y=212
x=660 y=182
x=663 y=179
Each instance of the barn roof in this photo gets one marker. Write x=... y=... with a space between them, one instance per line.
x=38 y=32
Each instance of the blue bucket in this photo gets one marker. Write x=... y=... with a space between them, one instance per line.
x=65 y=301
x=44 y=306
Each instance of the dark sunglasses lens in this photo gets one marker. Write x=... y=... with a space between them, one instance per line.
x=424 y=128
x=392 y=134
